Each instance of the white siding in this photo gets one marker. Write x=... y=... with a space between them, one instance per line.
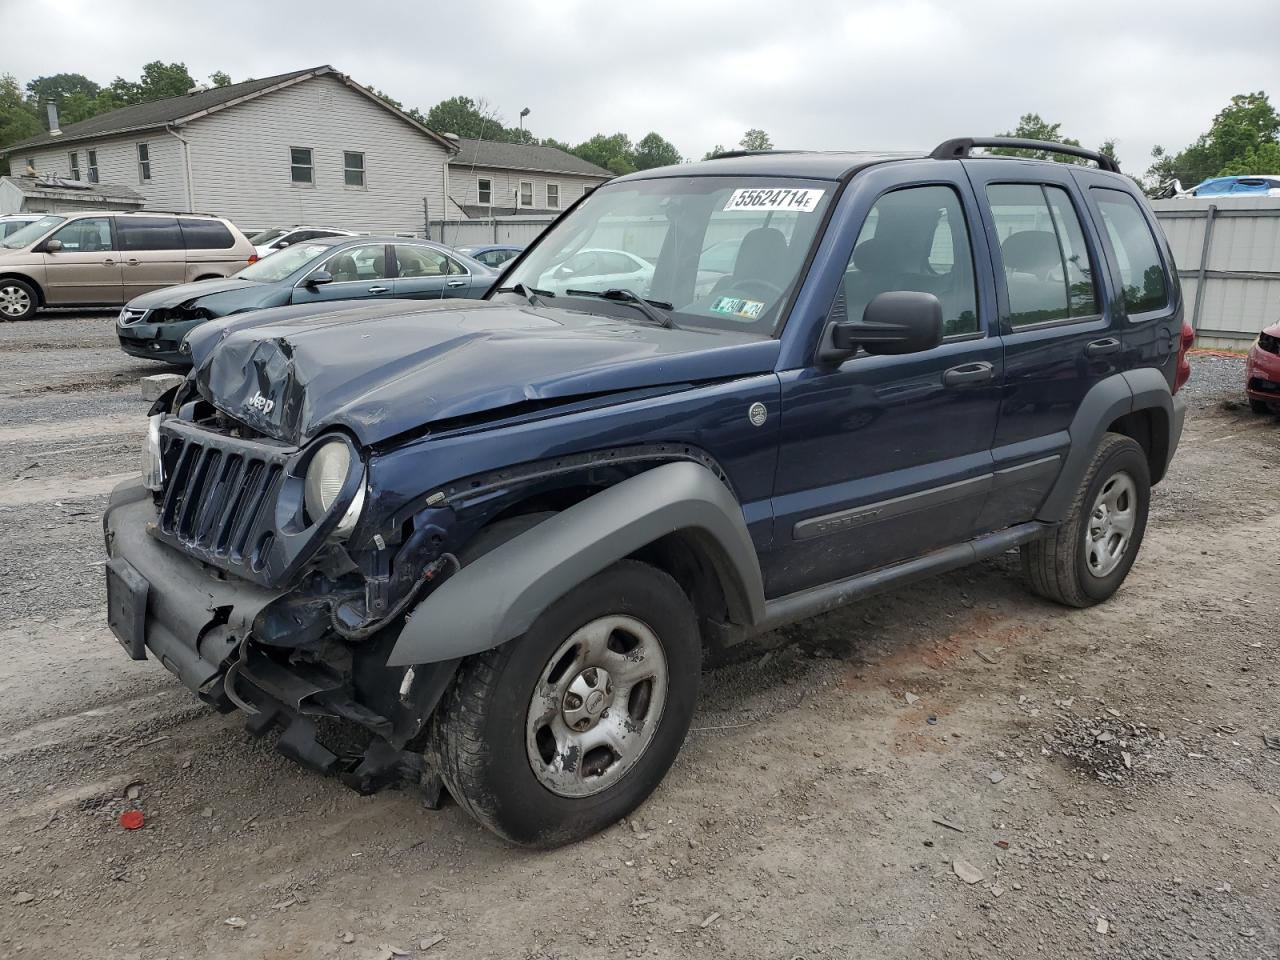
x=464 y=186
x=240 y=162
x=118 y=163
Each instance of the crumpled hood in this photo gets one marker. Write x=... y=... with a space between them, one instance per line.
x=383 y=369
x=184 y=292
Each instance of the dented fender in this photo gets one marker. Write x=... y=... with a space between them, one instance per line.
x=501 y=594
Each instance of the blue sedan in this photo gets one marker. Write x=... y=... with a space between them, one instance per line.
x=313 y=271
x=493 y=255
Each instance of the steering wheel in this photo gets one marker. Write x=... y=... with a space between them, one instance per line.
x=771 y=289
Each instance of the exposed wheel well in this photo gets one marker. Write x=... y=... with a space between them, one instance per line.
x=28 y=281
x=208 y=276
x=1149 y=428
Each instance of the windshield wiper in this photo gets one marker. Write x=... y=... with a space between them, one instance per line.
x=650 y=308
x=529 y=293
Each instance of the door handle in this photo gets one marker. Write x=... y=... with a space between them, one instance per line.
x=379 y=289
x=456 y=283
x=1100 y=348
x=968 y=374
x=132 y=262
x=108 y=263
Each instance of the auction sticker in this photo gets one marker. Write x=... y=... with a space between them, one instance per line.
x=771 y=199
x=750 y=309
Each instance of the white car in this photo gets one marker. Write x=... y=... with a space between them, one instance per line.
x=277 y=238
x=598 y=270
x=13 y=222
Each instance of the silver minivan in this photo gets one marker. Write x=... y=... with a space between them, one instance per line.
x=102 y=259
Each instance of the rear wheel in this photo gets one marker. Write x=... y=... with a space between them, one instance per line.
x=18 y=300
x=564 y=730
x=1084 y=559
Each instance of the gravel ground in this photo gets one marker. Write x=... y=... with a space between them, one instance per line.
x=1059 y=783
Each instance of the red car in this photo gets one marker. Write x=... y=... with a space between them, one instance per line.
x=1262 y=371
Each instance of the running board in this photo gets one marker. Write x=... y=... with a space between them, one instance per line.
x=826 y=597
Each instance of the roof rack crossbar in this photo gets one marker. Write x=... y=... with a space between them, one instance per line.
x=959 y=148
x=729 y=154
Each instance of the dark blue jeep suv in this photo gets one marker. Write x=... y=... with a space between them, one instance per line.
x=496 y=536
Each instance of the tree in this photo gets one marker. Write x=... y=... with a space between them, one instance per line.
x=654 y=151
x=220 y=78
x=613 y=152
x=1031 y=126
x=1243 y=132
x=1264 y=159
x=472 y=119
x=714 y=152
x=755 y=139
x=158 y=81
x=18 y=120
x=61 y=85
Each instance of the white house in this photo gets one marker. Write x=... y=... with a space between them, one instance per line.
x=489 y=179
x=310 y=146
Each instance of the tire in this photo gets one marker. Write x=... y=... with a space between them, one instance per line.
x=494 y=735
x=1064 y=566
x=1259 y=406
x=18 y=300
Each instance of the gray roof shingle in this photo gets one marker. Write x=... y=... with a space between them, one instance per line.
x=523 y=156
x=158 y=113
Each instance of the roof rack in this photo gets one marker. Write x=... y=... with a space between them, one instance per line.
x=959 y=148
x=724 y=154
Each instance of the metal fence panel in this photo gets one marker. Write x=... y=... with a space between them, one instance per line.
x=519 y=231
x=1227 y=251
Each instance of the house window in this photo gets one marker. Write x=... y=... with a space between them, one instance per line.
x=31 y=163
x=553 y=196
x=300 y=166
x=353 y=168
x=144 y=163
x=75 y=165
x=93 y=166
x=526 y=193
x=484 y=191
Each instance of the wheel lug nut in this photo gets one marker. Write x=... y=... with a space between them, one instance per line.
x=573 y=701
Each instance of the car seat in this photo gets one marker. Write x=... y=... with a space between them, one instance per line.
x=763 y=255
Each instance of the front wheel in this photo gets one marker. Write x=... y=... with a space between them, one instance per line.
x=18 y=300
x=1084 y=559
x=568 y=728
x=1259 y=406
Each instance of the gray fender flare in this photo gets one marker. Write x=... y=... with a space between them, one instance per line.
x=498 y=597
x=1106 y=401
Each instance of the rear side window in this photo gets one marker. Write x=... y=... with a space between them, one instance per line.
x=1047 y=272
x=915 y=239
x=149 y=233
x=206 y=235
x=1134 y=248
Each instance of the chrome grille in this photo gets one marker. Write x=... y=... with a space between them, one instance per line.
x=131 y=315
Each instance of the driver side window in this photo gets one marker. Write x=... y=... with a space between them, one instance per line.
x=86 y=235
x=915 y=239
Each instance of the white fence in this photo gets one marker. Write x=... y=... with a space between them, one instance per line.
x=1228 y=256
x=518 y=231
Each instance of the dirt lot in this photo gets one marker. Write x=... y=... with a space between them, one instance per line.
x=1102 y=773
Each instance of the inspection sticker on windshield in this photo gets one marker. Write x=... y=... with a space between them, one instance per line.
x=750 y=309
x=771 y=199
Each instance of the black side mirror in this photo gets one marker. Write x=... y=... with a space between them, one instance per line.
x=319 y=278
x=901 y=321
x=51 y=246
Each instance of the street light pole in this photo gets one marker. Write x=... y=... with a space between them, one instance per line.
x=523 y=113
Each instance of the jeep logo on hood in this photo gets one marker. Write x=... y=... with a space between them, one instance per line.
x=260 y=404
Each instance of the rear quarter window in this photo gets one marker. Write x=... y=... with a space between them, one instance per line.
x=1142 y=274
x=206 y=235
x=148 y=233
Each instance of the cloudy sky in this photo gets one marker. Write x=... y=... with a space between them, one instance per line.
x=825 y=75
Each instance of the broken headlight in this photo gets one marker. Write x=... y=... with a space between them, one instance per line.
x=152 y=465
x=326 y=473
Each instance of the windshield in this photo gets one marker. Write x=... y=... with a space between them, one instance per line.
x=279 y=265
x=722 y=252
x=31 y=232
x=266 y=236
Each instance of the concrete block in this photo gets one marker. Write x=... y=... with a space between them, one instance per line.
x=153 y=387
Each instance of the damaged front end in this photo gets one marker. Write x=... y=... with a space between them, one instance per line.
x=238 y=573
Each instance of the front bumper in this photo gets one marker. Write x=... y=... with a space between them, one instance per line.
x=156 y=341
x=162 y=601
x=198 y=622
x=1262 y=376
